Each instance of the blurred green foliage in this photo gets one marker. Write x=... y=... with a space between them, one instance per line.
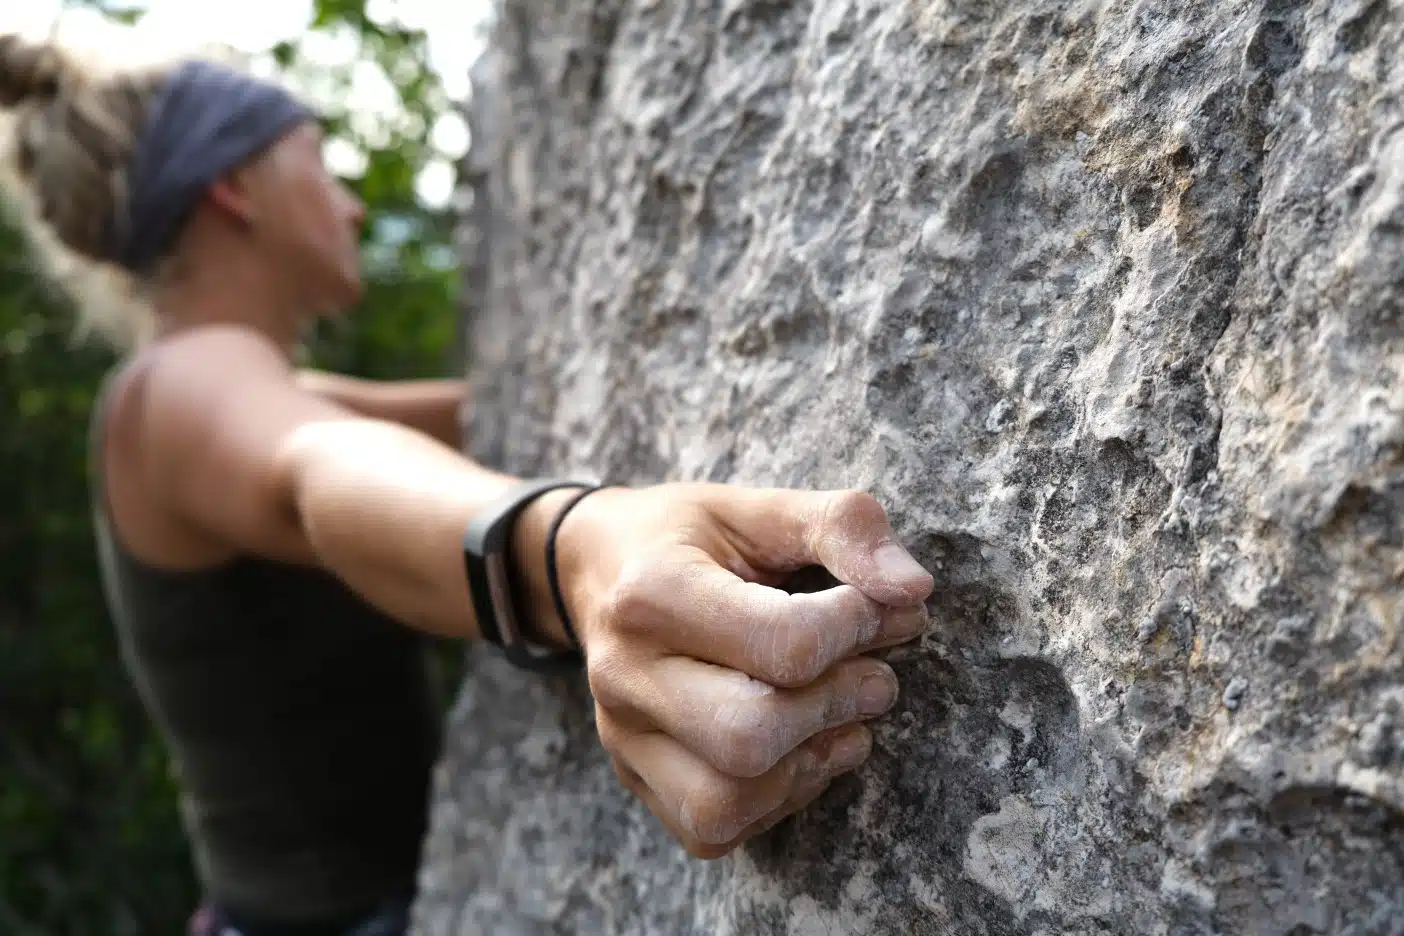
x=90 y=843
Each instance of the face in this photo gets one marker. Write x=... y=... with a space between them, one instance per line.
x=308 y=222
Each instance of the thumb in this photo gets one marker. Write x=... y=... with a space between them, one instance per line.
x=846 y=532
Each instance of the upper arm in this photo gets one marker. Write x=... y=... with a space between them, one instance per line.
x=435 y=407
x=218 y=407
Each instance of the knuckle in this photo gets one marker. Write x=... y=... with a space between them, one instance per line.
x=822 y=628
x=606 y=672
x=633 y=600
x=612 y=737
x=712 y=813
x=749 y=735
x=630 y=780
x=800 y=653
x=838 y=694
x=862 y=616
x=852 y=509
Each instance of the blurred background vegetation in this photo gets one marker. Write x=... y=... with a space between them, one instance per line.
x=90 y=843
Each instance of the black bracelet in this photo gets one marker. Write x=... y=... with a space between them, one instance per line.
x=551 y=576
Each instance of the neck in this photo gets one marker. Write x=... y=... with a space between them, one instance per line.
x=228 y=290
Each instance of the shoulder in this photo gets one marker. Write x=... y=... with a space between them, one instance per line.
x=184 y=381
x=203 y=365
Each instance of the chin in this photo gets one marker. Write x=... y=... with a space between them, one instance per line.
x=355 y=287
x=339 y=306
x=350 y=293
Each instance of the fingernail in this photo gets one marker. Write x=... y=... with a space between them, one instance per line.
x=898 y=565
x=876 y=692
x=850 y=750
x=903 y=624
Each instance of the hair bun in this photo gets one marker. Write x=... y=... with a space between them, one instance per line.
x=29 y=70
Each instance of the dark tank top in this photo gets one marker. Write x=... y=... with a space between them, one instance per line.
x=300 y=721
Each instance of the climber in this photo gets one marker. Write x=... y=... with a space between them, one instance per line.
x=276 y=545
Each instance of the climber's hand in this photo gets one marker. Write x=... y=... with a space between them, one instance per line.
x=726 y=703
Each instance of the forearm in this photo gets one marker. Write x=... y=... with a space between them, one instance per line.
x=432 y=407
x=385 y=509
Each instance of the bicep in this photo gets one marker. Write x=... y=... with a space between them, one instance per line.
x=218 y=413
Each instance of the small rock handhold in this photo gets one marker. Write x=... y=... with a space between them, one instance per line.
x=1289 y=638
x=1234 y=692
x=1377 y=741
x=1001 y=415
x=1148 y=629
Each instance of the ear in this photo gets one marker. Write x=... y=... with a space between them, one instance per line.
x=232 y=195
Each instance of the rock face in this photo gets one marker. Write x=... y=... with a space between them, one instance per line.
x=1104 y=300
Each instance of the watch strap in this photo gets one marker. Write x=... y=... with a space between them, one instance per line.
x=492 y=580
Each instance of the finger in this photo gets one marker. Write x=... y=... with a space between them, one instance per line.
x=740 y=725
x=807 y=788
x=847 y=532
x=702 y=807
x=693 y=607
x=635 y=784
x=805 y=794
x=811 y=786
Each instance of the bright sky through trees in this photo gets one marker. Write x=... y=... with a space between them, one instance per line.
x=452 y=27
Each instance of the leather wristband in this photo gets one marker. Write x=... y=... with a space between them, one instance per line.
x=491 y=579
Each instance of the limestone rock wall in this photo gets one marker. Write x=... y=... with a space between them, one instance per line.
x=1103 y=298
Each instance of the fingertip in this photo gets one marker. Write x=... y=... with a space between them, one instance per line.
x=904 y=573
x=850 y=748
x=903 y=624
x=877 y=691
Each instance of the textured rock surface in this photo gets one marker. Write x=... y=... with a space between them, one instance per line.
x=1104 y=300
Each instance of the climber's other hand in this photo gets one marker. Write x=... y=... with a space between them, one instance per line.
x=725 y=702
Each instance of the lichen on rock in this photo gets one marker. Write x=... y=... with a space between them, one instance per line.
x=1103 y=300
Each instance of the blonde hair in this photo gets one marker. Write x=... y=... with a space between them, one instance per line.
x=67 y=136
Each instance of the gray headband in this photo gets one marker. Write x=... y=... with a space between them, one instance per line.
x=206 y=120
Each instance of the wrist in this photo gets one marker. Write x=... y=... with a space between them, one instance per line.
x=536 y=610
x=577 y=543
x=584 y=567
